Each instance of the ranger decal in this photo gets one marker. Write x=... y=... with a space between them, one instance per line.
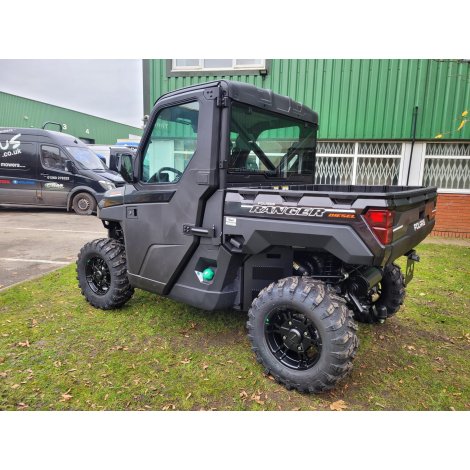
x=279 y=210
x=272 y=209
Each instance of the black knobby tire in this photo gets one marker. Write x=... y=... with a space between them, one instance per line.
x=315 y=304
x=392 y=295
x=84 y=204
x=110 y=288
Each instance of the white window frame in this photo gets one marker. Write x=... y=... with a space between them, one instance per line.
x=200 y=67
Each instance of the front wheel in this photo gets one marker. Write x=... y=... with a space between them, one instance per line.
x=303 y=334
x=102 y=274
x=84 y=204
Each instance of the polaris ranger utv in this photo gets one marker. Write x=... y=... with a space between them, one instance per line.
x=220 y=211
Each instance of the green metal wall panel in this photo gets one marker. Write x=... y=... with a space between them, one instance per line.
x=359 y=99
x=16 y=111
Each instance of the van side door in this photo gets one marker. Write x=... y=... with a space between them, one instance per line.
x=18 y=171
x=56 y=181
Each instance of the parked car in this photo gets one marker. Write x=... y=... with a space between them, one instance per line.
x=102 y=151
x=44 y=168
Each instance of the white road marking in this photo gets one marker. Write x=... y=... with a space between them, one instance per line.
x=45 y=261
x=55 y=230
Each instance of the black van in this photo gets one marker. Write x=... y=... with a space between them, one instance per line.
x=51 y=169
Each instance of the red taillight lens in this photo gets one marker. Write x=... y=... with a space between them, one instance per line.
x=381 y=223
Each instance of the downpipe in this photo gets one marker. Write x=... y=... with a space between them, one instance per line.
x=413 y=140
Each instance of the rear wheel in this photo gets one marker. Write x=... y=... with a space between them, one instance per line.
x=102 y=274
x=389 y=293
x=84 y=204
x=303 y=334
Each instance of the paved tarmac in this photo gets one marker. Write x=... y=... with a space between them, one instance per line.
x=36 y=241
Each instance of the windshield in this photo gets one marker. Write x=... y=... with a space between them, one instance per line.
x=86 y=158
x=269 y=143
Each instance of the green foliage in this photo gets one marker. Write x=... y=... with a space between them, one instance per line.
x=462 y=121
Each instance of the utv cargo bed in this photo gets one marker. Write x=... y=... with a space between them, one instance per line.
x=336 y=209
x=349 y=192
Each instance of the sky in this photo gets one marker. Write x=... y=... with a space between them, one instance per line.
x=110 y=89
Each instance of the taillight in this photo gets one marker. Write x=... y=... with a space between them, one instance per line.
x=381 y=223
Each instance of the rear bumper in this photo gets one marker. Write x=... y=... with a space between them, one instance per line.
x=408 y=242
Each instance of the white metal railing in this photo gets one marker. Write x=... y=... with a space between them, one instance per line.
x=364 y=163
x=447 y=166
x=448 y=149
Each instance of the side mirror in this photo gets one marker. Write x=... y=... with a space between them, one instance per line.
x=69 y=166
x=126 y=168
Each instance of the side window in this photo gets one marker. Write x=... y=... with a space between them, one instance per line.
x=172 y=144
x=52 y=158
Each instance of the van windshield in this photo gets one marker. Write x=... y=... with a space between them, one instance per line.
x=86 y=158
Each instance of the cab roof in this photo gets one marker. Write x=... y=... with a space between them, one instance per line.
x=42 y=135
x=252 y=95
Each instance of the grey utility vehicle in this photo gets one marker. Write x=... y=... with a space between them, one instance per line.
x=220 y=211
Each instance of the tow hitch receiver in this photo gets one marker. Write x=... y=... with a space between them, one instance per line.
x=410 y=265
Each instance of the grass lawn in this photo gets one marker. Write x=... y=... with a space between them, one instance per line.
x=59 y=353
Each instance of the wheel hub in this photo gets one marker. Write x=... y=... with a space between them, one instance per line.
x=293 y=339
x=83 y=204
x=98 y=275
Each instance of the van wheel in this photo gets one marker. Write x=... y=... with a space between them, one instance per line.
x=102 y=274
x=84 y=204
x=303 y=334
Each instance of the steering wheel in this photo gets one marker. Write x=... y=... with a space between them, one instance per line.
x=178 y=173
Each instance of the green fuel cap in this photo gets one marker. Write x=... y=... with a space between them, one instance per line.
x=208 y=274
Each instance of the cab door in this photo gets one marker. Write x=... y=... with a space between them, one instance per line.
x=177 y=169
x=56 y=181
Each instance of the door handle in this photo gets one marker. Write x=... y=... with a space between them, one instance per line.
x=131 y=213
x=199 y=231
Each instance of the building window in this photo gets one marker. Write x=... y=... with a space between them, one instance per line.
x=447 y=166
x=362 y=163
x=187 y=65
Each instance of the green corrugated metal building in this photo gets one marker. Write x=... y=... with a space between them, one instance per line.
x=355 y=99
x=367 y=112
x=16 y=111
